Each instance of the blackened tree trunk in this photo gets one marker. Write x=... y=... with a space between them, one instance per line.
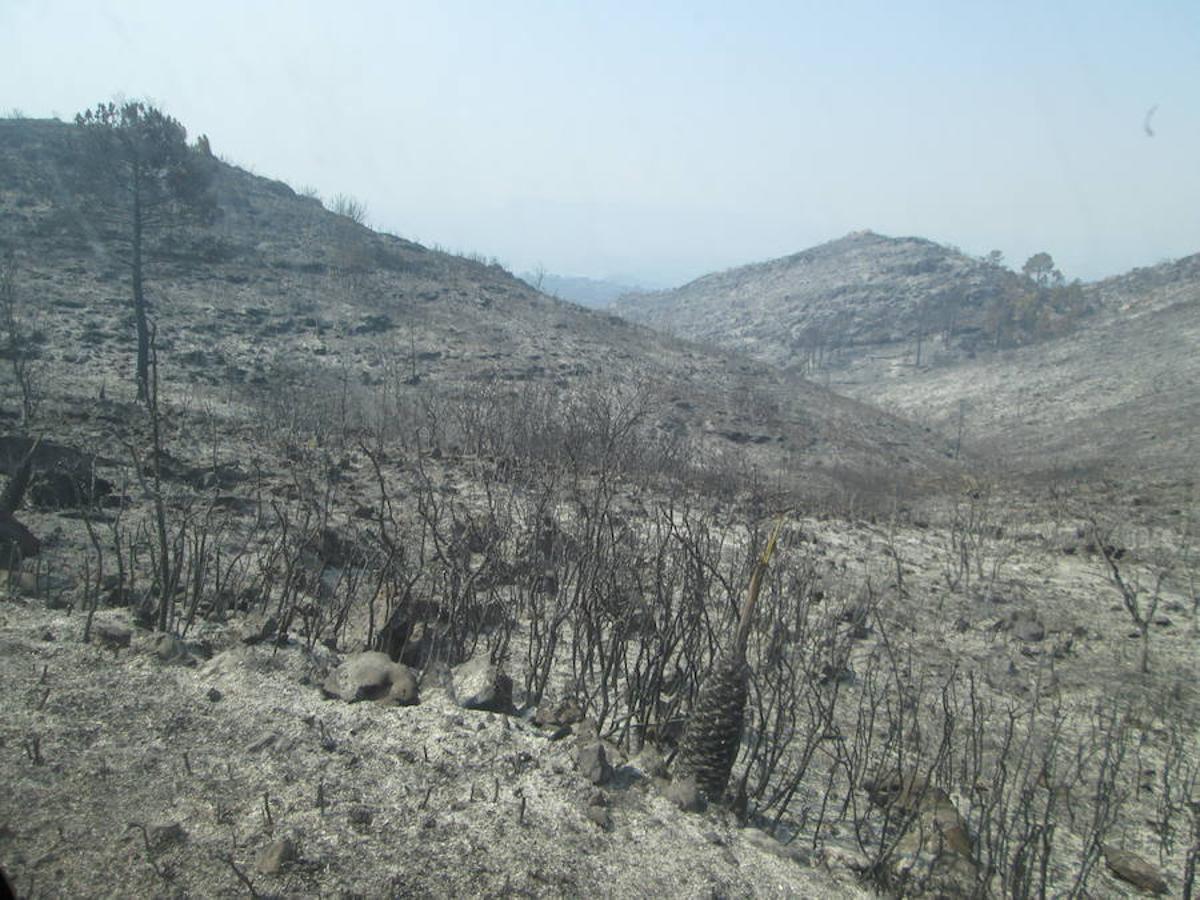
x=139 y=297
x=137 y=176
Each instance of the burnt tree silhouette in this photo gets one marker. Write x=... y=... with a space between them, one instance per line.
x=138 y=175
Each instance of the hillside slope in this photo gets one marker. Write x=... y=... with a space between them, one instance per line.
x=862 y=289
x=905 y=324
x=540 y=523
x=280 y=292
x=1117 y=393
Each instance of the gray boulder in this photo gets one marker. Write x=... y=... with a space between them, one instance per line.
x=113 y=635
x=593 y=763
x=275 y=856
x=372 y=676
x=172 y=651
x=479 y=684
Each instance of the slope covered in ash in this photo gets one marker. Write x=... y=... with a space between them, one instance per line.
x=1038 y=376
x=1116 y=393
x=277 y=293
x=863 y=289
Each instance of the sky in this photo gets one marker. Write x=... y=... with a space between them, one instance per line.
x=655 y=142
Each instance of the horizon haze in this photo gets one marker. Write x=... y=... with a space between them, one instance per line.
x=664 y=143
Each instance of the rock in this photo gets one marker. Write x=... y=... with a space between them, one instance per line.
x=214 y=695
x=372 y=676
x=479 y=684
x=112 y=634
x=562 y=712
x=1131 y=868
x=593 y=763
x=686 y=795
x=172 y=651
x=649 y=763
x=1026 y=627
x=935 y=851
x=273 y=857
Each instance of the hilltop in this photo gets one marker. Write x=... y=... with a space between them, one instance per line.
x=860 y=290
x=1098 y=380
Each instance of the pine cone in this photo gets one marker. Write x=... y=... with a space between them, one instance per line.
x=714 y=731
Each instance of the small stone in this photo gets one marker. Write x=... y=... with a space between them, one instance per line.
x=1133 y=869
x=273 y=857
x=686 y=795
x=214 y=695
x=593 y=763
x=360 y=815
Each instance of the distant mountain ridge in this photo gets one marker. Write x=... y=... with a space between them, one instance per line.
x=915 y=327
x=864 y=288
x=595 y=293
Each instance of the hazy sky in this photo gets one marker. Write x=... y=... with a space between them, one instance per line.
x=663 y=140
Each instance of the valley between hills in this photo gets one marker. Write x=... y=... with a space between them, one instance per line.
x=407 y=579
